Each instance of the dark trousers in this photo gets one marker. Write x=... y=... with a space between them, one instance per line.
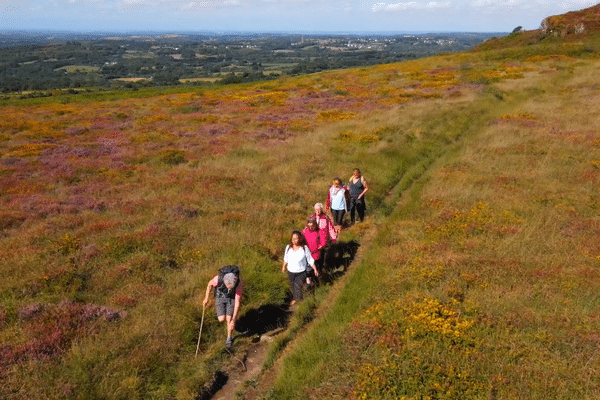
x=297 y=281
x=357 y=206
x=338 y=216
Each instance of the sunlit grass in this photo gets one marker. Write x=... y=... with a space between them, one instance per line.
x=482 y=201
x=477 y=280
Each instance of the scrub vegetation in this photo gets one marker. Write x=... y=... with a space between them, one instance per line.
x=479 y=278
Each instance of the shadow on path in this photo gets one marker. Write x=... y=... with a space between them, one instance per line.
x=217 y=382
x=263 y=319
x=268 y=318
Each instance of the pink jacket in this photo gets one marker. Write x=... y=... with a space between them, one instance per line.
x=314 y=242
x=326 y=229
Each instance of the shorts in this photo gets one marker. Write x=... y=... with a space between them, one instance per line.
x=224 y=306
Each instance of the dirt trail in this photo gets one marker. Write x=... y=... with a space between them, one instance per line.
x=245 y=366
x=267 y=379
x=246 y=363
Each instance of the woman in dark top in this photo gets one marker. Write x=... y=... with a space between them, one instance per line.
x=357 y=186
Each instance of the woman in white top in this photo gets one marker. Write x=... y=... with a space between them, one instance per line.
x=336 y=201
x=296 y=260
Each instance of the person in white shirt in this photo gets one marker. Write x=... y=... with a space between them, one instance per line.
x=296 y=260
x=336 y=201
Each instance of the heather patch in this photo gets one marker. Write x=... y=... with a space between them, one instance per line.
x=51 y=328
x=133 y=202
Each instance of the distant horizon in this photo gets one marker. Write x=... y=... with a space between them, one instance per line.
x=216 y=32
x=281 y=16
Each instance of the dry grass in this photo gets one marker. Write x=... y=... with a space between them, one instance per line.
x=485 y=272
x=482 y=180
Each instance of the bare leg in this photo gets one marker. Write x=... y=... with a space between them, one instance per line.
x=230 y=326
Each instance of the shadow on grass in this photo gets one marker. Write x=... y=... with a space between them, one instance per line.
x=336 y=260
x=217 y=382
x=263 y=319
x=269 y=317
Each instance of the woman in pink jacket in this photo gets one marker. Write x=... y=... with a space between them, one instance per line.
x=315 y=245
x=326 y=228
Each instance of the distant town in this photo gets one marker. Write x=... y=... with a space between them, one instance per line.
x=37 y=61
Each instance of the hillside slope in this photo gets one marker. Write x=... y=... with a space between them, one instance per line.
x=483 y=281
x=480 y=282
x=576 y=33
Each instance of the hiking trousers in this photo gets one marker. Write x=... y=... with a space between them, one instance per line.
x=297 y=281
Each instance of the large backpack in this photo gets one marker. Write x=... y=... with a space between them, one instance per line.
x=222 y=290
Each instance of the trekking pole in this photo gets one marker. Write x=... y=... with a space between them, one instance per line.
x=200 y=332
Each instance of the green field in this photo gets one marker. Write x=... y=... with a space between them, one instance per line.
x=477 y=269
x=78 y=69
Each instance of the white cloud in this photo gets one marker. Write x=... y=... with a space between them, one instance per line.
x=435 y=4
x=84 y=2
x=130 y=3
x=412 y=5
x=207 y=4
x=192 y=5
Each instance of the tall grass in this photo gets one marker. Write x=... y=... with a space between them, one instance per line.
x=481 y=282
x=115 y=214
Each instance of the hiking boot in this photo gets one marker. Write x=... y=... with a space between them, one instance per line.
x=229 y=342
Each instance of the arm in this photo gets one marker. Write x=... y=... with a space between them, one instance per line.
x=285 y=259
x=310 y=260
x=320 y=240
x=331 y=229
x=238 y=301
x=236 y=310
x=366 y=185
x=328 y=199
x=208 y=290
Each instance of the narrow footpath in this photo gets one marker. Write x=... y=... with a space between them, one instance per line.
x=244 y=375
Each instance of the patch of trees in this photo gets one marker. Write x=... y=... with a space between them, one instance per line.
x=35 y=63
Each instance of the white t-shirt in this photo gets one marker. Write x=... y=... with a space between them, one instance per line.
x=297 y=259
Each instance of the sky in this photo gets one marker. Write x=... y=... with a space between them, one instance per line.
x=291 y=16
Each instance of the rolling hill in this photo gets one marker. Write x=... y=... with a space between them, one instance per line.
x=478 y=266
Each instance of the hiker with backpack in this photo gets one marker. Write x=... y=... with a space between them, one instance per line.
x=336 y=201
x=296 y=260
x=228 y=295
x=357 y=187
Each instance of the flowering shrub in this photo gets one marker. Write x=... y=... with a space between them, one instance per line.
x=479 y=219
x=68 y=244
x=29 y=149
x=351 y=136
x=335 y=115
x=499 y=73
x=151 y=119
x=431 y=317
x=416 y=379
x=52 y=328
x=408 y=332
x=542 y=58
x=440 y=80
x=417 y=320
